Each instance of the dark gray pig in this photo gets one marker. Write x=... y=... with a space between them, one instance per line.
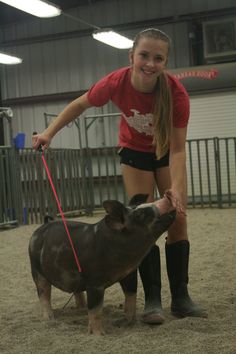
x=107 y=252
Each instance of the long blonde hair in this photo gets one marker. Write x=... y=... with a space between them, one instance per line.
x=163 y=107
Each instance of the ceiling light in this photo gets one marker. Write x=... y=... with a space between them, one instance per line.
x=35 y=7
x=112 y=38
x=9 y=59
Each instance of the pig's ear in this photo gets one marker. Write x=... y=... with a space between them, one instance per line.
x=138 y=199
x=115 y=218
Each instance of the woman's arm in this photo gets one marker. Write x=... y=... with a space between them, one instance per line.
x=178 y=167
x=72 y=111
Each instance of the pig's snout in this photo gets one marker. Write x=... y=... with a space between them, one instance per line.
x=153 y=209
x=165 y=204
x=161 y=207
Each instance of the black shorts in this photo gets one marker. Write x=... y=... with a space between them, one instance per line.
x=146 y=161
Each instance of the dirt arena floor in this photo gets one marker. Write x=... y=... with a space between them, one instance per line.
x=212 y=233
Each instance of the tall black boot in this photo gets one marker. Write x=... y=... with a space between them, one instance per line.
x=177 y=260
x=150 y=273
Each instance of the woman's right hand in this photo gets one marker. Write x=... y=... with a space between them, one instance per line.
x=41 y=140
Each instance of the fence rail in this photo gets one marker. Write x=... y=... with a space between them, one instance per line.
x=10 y=193
x=85 y=178
x=211 y=167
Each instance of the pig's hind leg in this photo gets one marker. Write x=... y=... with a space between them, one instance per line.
x=129 y=287
x=44 y=294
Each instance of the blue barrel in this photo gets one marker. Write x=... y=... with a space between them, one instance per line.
x=19 y=141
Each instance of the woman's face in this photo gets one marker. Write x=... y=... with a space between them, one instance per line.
x=148 y=60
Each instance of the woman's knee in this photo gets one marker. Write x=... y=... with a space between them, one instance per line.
x=178 y=230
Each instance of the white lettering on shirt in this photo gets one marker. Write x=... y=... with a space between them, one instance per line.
x=140 y=122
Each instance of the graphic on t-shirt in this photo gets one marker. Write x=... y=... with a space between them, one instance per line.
x=140 y=122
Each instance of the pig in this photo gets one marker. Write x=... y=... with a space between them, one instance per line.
x=108 y=252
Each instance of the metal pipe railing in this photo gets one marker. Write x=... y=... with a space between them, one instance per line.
x=85 y=178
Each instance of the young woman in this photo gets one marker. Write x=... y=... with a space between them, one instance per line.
x=152 y=137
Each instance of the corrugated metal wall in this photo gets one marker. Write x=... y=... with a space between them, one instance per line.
x=75 y=62
x=213 y=115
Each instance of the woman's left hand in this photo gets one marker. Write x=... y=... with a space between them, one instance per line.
x=177 y=202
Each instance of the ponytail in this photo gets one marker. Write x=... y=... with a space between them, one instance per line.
x=162 y=116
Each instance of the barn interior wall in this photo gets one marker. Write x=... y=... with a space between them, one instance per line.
x=54 y=65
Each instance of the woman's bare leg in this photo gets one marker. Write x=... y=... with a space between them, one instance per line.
x=138 y=181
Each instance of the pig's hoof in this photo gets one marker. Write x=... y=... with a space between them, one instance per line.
x=48 y=316
x=96 y=331
x=154 y=317
x=131 y=320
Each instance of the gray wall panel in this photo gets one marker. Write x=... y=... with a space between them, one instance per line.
x=111 y=12
x=181 y=45
x=60 y=66
x=75 y=63
x=36 y=69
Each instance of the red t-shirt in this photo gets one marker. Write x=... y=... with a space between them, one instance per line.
x=137 y=108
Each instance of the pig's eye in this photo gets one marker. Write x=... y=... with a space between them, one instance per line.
x=144 y=215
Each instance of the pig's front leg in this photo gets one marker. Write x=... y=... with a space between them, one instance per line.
x=129 y=287
x=95 y=298
x=80 y=300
